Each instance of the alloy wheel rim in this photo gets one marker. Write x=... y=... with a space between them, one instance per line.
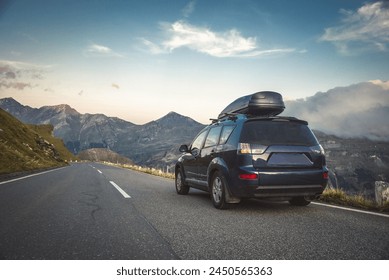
x=178 y=182
x=217 y=190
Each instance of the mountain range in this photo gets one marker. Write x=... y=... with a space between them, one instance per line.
x=153 y=144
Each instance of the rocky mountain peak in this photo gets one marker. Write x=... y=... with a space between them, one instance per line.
x=175 y=119
x=9 y=101
x=16 y=109
x=11 y=104
x=62 y=108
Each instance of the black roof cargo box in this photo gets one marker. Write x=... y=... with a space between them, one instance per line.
x=263 y=103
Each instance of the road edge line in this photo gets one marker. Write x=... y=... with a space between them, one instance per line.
x=31 y=175
x=351 y=209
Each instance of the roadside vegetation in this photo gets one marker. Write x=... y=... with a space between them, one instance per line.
x=340 y=197
x=147 y=170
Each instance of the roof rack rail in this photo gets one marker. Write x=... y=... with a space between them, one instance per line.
x=227 y=116
x=278 y=118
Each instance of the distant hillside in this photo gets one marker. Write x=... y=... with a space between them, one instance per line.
x=101 y=154
x=24 y=149
x=78 y=131
x=156 y=143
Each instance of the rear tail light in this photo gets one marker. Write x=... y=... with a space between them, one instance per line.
x=244 y=148
x=247 y=148
x=325 y=175
x=250 y=176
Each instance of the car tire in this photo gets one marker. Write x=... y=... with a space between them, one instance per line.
x=181 y=186
x=299 y=201
x=218 y=191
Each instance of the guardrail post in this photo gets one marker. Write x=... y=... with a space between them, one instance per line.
x=381 y=192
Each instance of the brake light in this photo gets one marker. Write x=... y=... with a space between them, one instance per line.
x=251 y=176
x=325 y=175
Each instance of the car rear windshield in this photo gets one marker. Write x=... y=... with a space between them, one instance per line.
x=277 y=133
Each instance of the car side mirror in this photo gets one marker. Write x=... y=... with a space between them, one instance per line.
x=184 y=149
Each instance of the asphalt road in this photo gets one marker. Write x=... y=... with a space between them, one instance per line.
x=77 y=213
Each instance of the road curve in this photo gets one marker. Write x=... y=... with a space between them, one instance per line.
x=79 y=212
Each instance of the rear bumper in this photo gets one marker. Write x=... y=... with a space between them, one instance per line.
x=288 y=191
x=280 y=183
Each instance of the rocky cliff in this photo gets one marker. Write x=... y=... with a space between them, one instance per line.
x=356 y=163
x=23 y=149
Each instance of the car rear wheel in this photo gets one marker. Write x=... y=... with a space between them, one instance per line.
x=218 y=191
x=181 y=186
x=299 y=201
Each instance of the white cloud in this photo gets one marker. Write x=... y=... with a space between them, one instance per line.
x=383 y=84
x=101 y=51
x=20 y=65
x=203 y=40
x=231 y=43
x=19 y=75
x=152 y=47
x=359 y=110
x=188 y=9
x=361 y=30
x=115 y=86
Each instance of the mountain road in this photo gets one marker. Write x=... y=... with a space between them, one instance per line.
x=96 y=211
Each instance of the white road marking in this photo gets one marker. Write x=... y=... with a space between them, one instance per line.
x=99 y=171
x=32 y=175
x=120 y=190
x=351 y=209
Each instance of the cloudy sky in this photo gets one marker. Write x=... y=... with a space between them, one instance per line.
x=139 y=60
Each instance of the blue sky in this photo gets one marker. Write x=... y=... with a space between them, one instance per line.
x=139 y=60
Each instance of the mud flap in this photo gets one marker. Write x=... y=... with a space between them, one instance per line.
x=231 y=199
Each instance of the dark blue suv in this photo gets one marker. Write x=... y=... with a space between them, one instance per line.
x=250 y=156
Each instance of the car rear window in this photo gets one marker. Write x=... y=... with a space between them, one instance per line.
x=277 y=133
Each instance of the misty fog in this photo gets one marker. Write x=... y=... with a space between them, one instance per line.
x=360 y=110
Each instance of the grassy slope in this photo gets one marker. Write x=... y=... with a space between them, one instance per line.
x=46 y=131
x=21 y=148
